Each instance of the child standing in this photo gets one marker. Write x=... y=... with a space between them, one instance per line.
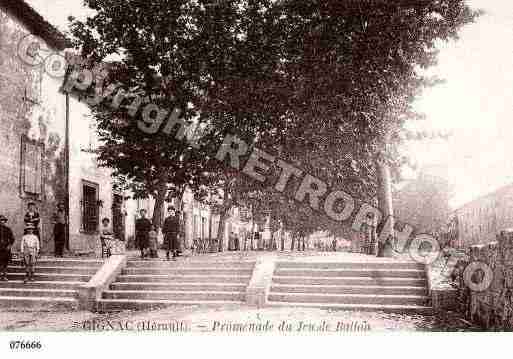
x=29 y=252
x=106 y=238
x=153 y=237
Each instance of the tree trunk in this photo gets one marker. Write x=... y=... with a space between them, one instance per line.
x=384 y=200
x=223 y=216
x=183 y=223
x=292 y=240
x=222 y=228
x=210 y=228
x=252 y=234
x=159 y=204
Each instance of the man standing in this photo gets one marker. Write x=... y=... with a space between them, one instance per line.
x=281 y=236
x=142 y=230
x=170 y=230
x=33 y=219
x=6 y=242
x=59 y=229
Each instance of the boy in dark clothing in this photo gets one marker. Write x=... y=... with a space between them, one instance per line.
x=170 y=230
x=6 y=242
x=142 y=230
x=59 y=230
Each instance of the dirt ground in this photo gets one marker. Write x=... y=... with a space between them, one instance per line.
x=230 y=319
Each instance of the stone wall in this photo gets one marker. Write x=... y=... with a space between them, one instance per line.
x=491 y=308
x=30 y=108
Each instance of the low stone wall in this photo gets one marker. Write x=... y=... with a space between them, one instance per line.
x=442 y=293
x=491 y=308
x=261 y=280
x=91 y=292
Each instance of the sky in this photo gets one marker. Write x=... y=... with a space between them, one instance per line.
x=475 y=103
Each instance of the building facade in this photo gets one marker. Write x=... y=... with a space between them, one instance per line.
x=481 y=220
x=91 y=193
x=47 y=148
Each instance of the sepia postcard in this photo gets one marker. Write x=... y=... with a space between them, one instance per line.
x=254 y=168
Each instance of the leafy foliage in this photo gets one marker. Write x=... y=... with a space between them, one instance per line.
x=325 y=85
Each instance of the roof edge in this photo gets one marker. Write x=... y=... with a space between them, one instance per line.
x=36 y=23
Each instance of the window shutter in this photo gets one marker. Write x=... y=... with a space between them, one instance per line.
x=32 y=167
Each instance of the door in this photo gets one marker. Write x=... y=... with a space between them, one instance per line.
x=118 y=217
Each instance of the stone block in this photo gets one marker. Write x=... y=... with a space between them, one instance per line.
x=91 y=292
x=507 y=257
x=498 y=279
x=506 y=240
x=261 y=280
x=479 y=252
x=444 y=298
x=508 y=278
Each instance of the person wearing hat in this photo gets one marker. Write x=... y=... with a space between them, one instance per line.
x=170 y=230
x=59 y=229
x=29 y=250
x=142 y=230
x=32 y=218
x=6 y=242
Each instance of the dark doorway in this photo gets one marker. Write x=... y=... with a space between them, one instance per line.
x=118 y=217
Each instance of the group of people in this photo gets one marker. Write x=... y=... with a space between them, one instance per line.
x=259 y=241
x=147 y=234
x=30 y=241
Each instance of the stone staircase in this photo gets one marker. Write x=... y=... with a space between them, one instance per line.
x=389 y=286
x=154 y=284
x=56 y=282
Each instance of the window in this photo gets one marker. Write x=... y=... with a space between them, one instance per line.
x=90 y=207
x=31 y=168
x=118 y=216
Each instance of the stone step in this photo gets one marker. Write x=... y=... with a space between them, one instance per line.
x=41 y=285
x=218 y=287
x=348 y=298
x=400 y=309
x=63 y=262
x=60 y=270
x=373 y=273
x=39 y=303
x=188 y=271
x=350 y=265
x=350 y=281
x=109 y=305
x=349 y=289
x=47 y=277
x=166 y=278
x=32 y=292
x=189 y=264
x=174 y=295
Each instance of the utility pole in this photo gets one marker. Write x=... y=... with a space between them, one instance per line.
x=66 y=175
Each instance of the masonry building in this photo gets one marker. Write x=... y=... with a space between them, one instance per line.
x=480 y=220
x=47 y=138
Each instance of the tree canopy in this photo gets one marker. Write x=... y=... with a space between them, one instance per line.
x=323 y=84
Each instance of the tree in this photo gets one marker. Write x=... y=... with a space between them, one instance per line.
x=326 y=84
